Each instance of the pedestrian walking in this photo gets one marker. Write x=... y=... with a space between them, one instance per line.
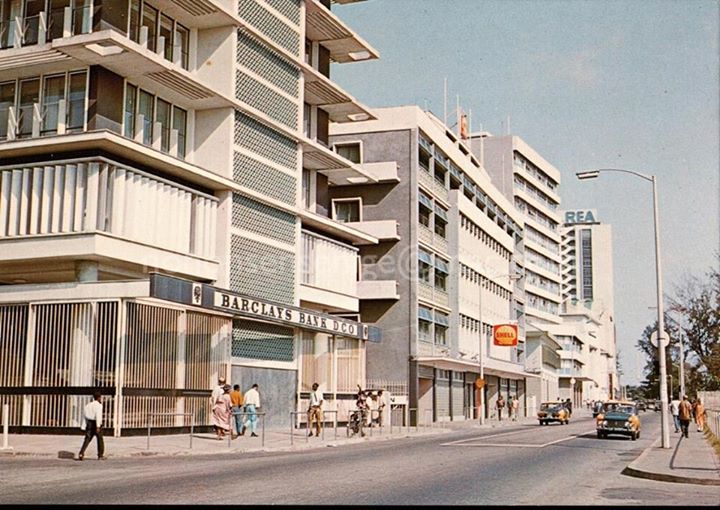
x=674 y=410
x=217 y=391
x=685 y=415
x=499 y=405
x=252 y=404
x=382 y=402
x=568 y=406
x=315 y=410
x=92 y=425
x=221 y=413
x=515 y=407
x=509 y=406
x=700 y=415
x=237 y=401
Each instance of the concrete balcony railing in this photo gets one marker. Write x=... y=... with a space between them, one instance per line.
x=98 y=209
x=425 y=291
x=441 y=297
x=425 y=235
x=329 y=265
x=378 y=289
x=384 y=230
x=385 y=171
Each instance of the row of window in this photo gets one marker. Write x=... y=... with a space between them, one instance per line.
x=139 y=102
x=432 y=326
x=435 y=220
x=535 y=193
x=541 y=239
x=484 y=237
x=458 y=179
x=473 y=276
x=28 y=12
x=541 y=304
x=542 y=282
x=535 y=214
x=46 y=91
x=433 y=270
x=523 y=162
x=163 y=32
x=587 y=264
x=541 y=260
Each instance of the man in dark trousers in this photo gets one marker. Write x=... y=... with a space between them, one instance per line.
x=685 y=415
x=92 y=425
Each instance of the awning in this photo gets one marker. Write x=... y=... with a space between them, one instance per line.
x=425 y=201
x=441 y=212
x=425 y=313
x=441 y=318
x=425 y=257
x=441 y=265
x=444 y=363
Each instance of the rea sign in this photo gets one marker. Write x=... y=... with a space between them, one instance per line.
x=505 y=335
x=581 y=216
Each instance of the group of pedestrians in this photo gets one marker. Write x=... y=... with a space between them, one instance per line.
x=512 y=405
x=232 y=411
x=366 y=403
x=684 y=411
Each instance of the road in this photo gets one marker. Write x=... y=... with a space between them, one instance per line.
x=519 y=465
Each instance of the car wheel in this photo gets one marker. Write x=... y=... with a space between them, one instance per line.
x=599 y=435
x=634 y=436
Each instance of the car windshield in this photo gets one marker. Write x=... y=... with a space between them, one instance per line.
x=549 y=406
x=618 y=408
x=626 y=409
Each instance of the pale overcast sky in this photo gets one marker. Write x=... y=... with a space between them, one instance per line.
x=588 y=84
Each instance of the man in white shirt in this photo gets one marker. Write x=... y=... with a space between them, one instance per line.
x=675 y=411
x=252 y=402
x=92 y=425
x=315 y=410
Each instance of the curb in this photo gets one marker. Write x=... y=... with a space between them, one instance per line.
x=662 y=477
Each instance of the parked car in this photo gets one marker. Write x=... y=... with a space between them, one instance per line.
x=651 y=406
x=553 y=411
x=641 y=405
x=618 y=417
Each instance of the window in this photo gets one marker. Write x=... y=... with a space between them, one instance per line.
x=76 y=101
x=424 y=271
x=130 y=105
x=306 y=188
x=440 y=226
x=146 y=108
x=53 y=93
x=440 y=279
x=307 y=120
x=180 y=125
x=349 y=151
x=7 y=99
x=424 y=330
x=134 y=22
x=166 y=32
x=424 y=215
x=182 y=40
x=29 y=95
x=346 y=211
x=440 y=335
x=163 y=117
x=149 y=20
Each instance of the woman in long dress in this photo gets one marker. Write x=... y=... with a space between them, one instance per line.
x=221 y=413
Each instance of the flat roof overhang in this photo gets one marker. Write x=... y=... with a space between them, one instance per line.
x=342 y=42
x=339 y=171
x=324 y=93
x=458 y=364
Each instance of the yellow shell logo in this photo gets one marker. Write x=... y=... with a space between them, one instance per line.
x=505 y=334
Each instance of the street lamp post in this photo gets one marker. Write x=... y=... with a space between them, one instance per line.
x=481 y=342
x=591 y=174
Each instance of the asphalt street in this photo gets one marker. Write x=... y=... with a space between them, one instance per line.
x=523 y=465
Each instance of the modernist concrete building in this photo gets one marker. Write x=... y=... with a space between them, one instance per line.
x=164 y=210
x=532 y=184
x=437 y=284
x=587 y=269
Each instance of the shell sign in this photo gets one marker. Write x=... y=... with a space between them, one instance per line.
x=505 y=335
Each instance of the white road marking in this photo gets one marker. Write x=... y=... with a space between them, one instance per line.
x=466 y=442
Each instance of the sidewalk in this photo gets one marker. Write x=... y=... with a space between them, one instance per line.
x=688 y=460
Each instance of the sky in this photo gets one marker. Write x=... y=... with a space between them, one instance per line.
x=588 y=84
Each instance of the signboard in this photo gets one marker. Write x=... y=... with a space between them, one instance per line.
x=581 y=216
x=665 y=339
x=479 y=383
x=505 y=335
x=206 y=296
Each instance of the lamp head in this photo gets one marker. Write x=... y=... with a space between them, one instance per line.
x=588 y=174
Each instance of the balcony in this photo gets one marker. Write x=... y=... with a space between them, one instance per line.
x=342 y=42
x=379 y=289
x=327 y=95
x=100 y=210
x=383 y=230
x=339 y=171
x=329 y=273
x=384 y=172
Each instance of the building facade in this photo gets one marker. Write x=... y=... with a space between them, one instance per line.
x=438 y=286
x=163 y=209
x=588 y=289
x=532 y=184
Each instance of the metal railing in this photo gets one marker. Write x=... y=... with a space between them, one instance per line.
x=293 y=425
x=192 y=424
x=427 y=415
x=244 y=413
x=364 y=424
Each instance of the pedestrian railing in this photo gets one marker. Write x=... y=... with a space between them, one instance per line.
x=233 y=414
x=149 y=422
x=323 y=422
